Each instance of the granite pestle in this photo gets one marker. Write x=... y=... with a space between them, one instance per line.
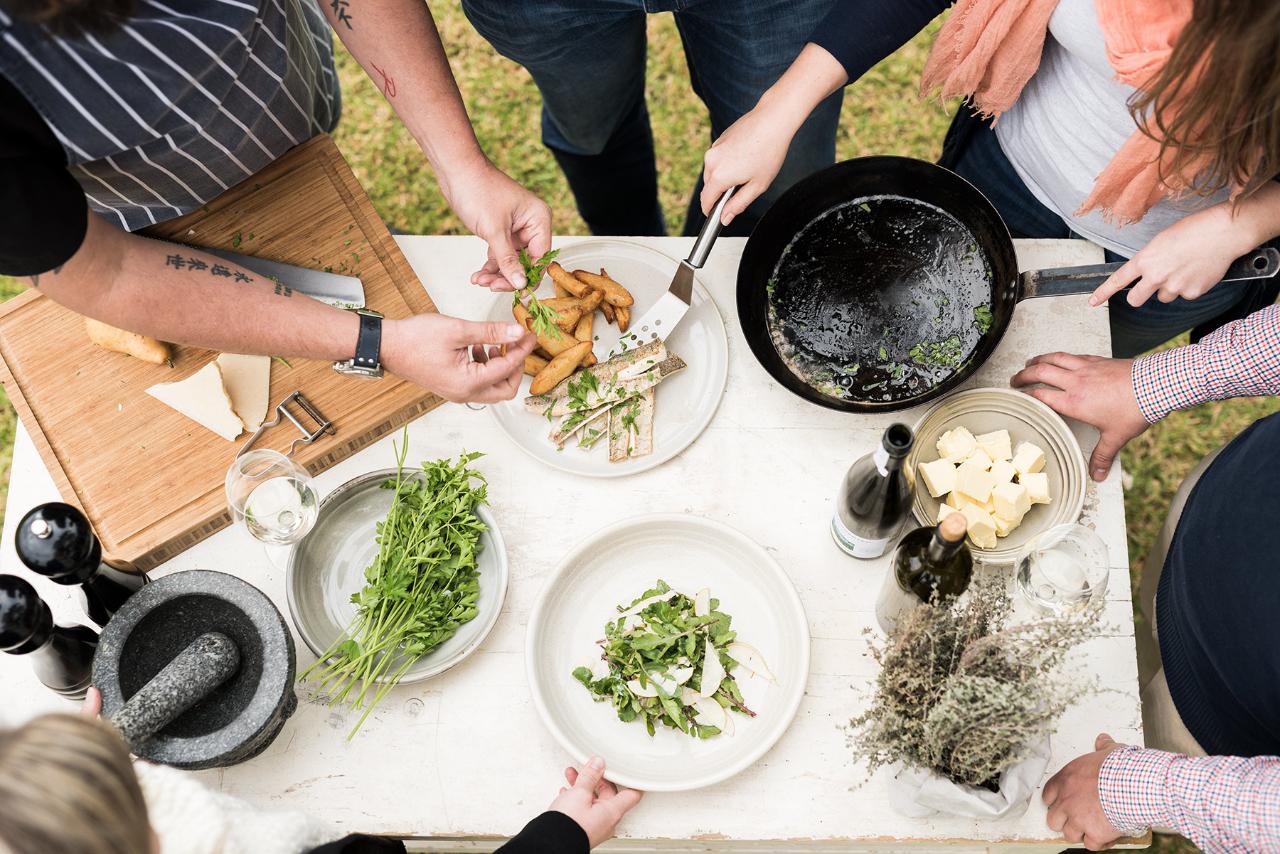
x=206 y=663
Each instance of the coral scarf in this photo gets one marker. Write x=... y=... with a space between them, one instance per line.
x=988 y=50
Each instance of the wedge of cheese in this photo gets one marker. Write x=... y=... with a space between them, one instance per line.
x=939 y=477
x=1003 y=471
x=1037 y=485
x=202 y=398
x=247 y=380
x=997 y=444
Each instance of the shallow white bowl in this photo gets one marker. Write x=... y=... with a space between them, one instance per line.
x=612 y=567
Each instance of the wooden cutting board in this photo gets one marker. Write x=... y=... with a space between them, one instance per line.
x=149 y=479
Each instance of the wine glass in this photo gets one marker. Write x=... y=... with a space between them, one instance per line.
x=273 y=496
x=1064 y=570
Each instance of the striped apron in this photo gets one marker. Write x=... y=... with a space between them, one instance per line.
x=181 y=102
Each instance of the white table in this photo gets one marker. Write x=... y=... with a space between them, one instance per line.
x=463 y=760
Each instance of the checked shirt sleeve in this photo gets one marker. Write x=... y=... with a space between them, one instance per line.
x=1222 y=803
x=1242 y=359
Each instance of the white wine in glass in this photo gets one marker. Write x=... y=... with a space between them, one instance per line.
x=273 y=496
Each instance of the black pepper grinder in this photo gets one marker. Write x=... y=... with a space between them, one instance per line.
x=56 y=540
x=62 y=656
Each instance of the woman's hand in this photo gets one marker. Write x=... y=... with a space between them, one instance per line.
x=1091 y=389
x=593 y=802
x=91 y=706
x=750 y=152
x=506 y=216
x=1186 y=259
x=448 y=356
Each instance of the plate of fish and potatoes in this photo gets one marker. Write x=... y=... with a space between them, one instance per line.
x=580 y=411
x=1005 y=461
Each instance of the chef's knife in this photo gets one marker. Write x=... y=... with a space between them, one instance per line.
x=660 y=320
x=332 y=288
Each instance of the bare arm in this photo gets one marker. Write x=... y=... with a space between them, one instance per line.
x=193 y=298
x=397 y=44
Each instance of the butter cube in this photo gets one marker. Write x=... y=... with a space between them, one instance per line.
x=1004 y=527
x=973 y=480
x=1011 y=500
x=1028 y=458
x=945 y=510
x=982 y=528
x=959 y=501
x=939 y=476
x=997 y=444
x=956 y=444
x=1037 y=485
x=980 y=457
x=1003 y=471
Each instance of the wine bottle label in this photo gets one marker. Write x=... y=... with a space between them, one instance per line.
x=881 y=459
x=853 y=544
x=893 y=602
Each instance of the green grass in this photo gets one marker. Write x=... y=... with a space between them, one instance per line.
x=881 y=115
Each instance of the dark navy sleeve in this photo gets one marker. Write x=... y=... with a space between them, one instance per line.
x=43 y=214
x=550 y=833
x=860 y=33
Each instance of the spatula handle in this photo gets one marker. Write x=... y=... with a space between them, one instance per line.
x=1065 y=281
x=710 y=231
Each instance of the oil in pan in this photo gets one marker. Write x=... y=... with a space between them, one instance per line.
x=879 y=299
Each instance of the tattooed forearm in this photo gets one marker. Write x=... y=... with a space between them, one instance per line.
x=178 y=262
x=340 y=11
x=283 y=290
x=388 y=82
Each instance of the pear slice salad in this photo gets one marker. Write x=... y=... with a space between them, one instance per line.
x=670 y=661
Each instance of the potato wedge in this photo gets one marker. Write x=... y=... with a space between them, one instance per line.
x=583 y=330
x=623 y=313
x=614 y=293
x=562 y=303
x=533 y=364
x=560 y=290
x=592 y=300
x=608 y=311
x=560 y=367
x=556 y=346
x=542 y=354
x=560 y=275
x=142 y=347
x=590 y=361
x=569 y=318
x=522 y=316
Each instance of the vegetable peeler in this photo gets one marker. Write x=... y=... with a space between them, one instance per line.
x=322 y=426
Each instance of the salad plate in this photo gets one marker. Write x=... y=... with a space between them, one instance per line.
x=613 y=568
x=685 y=403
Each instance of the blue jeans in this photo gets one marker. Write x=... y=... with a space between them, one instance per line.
x=979 y=158
x=588 y=59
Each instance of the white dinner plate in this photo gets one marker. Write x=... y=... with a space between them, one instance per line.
x=685 y=403
x=614 y=566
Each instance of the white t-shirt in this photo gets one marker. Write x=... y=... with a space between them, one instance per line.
x=1070 y=120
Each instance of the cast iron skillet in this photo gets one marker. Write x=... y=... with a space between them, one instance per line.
x=878 y=272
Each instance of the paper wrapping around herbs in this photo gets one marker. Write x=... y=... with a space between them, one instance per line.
x=918 y=793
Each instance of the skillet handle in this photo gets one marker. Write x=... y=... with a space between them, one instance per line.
x=1065 y=281
x=710 y=231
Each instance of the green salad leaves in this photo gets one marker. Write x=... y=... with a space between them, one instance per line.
x=544 y=318
x=669 y=660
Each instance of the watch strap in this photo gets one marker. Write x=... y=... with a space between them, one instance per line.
x=369 y=342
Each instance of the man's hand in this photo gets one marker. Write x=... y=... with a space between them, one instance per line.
x=1091 y=389
x=1185 y=260
x=506 y=216
x=91 y=706
x=1072 y=797
x=593 y=802
x=449 y=356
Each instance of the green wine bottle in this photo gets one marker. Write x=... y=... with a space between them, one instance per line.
x=930 y=565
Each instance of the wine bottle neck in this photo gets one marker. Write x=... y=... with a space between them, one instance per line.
x=941 y=549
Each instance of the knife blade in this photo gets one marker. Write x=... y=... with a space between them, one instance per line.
x=665 y=315
x=332 y=288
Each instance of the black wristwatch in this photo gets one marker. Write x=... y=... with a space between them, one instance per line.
x=367 y=362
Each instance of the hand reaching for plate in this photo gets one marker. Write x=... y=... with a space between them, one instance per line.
x=593 y=802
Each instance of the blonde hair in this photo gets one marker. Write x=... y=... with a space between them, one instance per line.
x=67 y=785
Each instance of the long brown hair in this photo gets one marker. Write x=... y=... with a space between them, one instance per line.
x=71 y=17
x=66 y=784
x=1215 y=106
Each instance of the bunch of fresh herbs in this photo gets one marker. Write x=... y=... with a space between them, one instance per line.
x=544 y=318
x=963 y=694
x=656 y=652
x=422 y=585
